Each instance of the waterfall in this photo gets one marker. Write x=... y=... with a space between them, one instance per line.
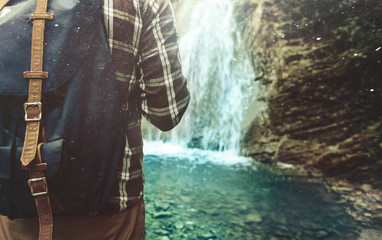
x=220 y=77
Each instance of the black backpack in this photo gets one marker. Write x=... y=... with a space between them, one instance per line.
x=80 y=138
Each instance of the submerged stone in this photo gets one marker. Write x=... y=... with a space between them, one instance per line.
x=162 y=214
x=179 y=225
x=165 y=238
x=321 y=234
x=366 y=187
x=161 y=232
x=159 y=205
x=253 y=218
x=207 y=235
x=185 y=198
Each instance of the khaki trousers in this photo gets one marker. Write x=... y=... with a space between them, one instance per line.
x=126 y=225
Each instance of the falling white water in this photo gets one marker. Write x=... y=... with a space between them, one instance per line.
x=220 y=77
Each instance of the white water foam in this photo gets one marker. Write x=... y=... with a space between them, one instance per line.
x=227 y=158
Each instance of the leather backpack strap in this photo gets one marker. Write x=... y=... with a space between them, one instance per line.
x=3 y=3
x=33 y=113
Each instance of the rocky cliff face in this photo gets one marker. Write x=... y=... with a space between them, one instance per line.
x=319 y=64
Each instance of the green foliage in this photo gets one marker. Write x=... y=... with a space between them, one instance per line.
x=354 y=25
x=352 y=30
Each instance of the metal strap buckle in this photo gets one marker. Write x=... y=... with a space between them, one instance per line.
x=29 y=104
x=33 y=180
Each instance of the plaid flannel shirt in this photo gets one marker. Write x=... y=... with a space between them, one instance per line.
x=143 y=40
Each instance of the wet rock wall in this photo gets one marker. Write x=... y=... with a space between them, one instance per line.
x=319 y=64
x=322 y=88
